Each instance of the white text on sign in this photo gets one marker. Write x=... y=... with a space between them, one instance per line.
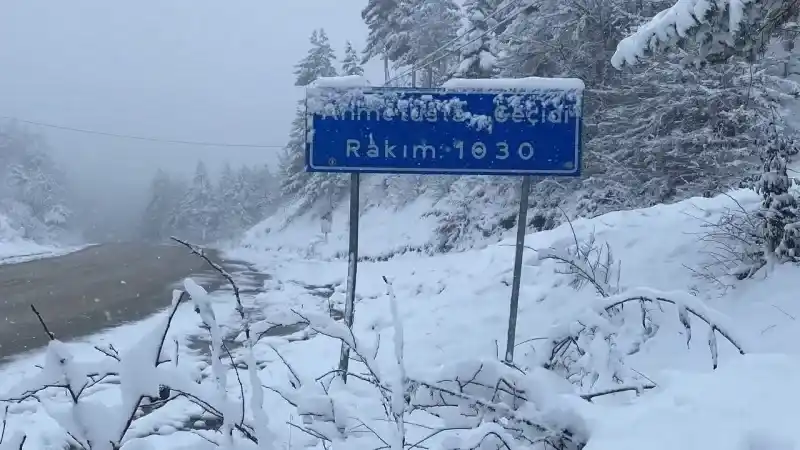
x=502 y=114
x=460 y=150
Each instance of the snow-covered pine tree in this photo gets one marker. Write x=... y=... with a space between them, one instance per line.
x=711 y=30
x=379 y=15
x=351 y=63
x=780 y=213
x=425 y=25
x=34 y=187
x=165 y=193
x=260 y=192
x=197 y=216
x=651 y=135
x=234 y=216
x=292 y=160
x=295 y=181
x=318 y=62
x=478 y=55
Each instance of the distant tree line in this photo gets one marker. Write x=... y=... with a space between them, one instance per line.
x=202 y=210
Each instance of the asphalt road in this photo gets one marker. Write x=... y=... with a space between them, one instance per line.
x=88 y=291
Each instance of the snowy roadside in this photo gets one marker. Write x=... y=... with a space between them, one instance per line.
x=453 y=309
x=24 y=251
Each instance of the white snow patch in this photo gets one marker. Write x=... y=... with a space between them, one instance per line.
x=343 y=82
x=744 y=405
x=528 y=83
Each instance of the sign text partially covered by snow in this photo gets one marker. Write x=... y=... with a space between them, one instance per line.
x=462 y=129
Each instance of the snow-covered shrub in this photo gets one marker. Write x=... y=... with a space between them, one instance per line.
x=733 y=245
x=746 y=237
x=476 y=404
x=589 y=348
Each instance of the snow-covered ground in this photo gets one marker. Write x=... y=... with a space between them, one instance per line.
x=14 y=248
x=454 y=311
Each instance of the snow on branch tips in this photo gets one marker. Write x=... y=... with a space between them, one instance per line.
x=590 y=347
x=90 y=424
x=479 y=403
x=714 y=29
x=203 y=307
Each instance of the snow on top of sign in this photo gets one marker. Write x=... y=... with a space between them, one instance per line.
x=386 y=105
x=533 y=83
x=343 y=82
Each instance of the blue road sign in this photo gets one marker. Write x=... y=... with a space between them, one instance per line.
x=444 y=131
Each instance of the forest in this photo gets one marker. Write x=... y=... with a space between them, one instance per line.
x=674 y=127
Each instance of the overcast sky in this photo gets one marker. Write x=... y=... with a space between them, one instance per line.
x=201 y=70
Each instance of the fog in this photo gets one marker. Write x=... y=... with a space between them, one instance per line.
x=198 y=70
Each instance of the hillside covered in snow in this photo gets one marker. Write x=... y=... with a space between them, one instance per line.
x=623 y=319
x=34 y=199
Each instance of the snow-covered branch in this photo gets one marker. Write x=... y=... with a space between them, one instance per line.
x=261 y=421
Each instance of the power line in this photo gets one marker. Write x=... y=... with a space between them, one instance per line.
x=138 y=138
x=228 y=144
x=480 y=36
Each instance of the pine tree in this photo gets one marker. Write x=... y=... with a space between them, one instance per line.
x=259 y=192
x=319 y=61
x=780 y=213
x=39 y=184
x=198 y=214
x=380 y=16
x=233 y=217
x=292 y=163
x=351 y=64
x=165 y=193
x=33 y=189
x=424 y=26
x=478 y=58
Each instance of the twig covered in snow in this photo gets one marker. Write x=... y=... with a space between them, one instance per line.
x=592 y=336
x=485 y=402
x=588 y=262
x=261 y=424
x=140 y=373
x=398 y=405
x=202 y=305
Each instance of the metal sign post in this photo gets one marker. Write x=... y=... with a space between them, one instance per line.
x=519 y=249
x=352 y=268
x=524 y=127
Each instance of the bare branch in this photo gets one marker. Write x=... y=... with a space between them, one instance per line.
x=5 y=423
x=50 y=334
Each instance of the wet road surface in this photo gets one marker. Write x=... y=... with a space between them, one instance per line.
x=88 y=291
